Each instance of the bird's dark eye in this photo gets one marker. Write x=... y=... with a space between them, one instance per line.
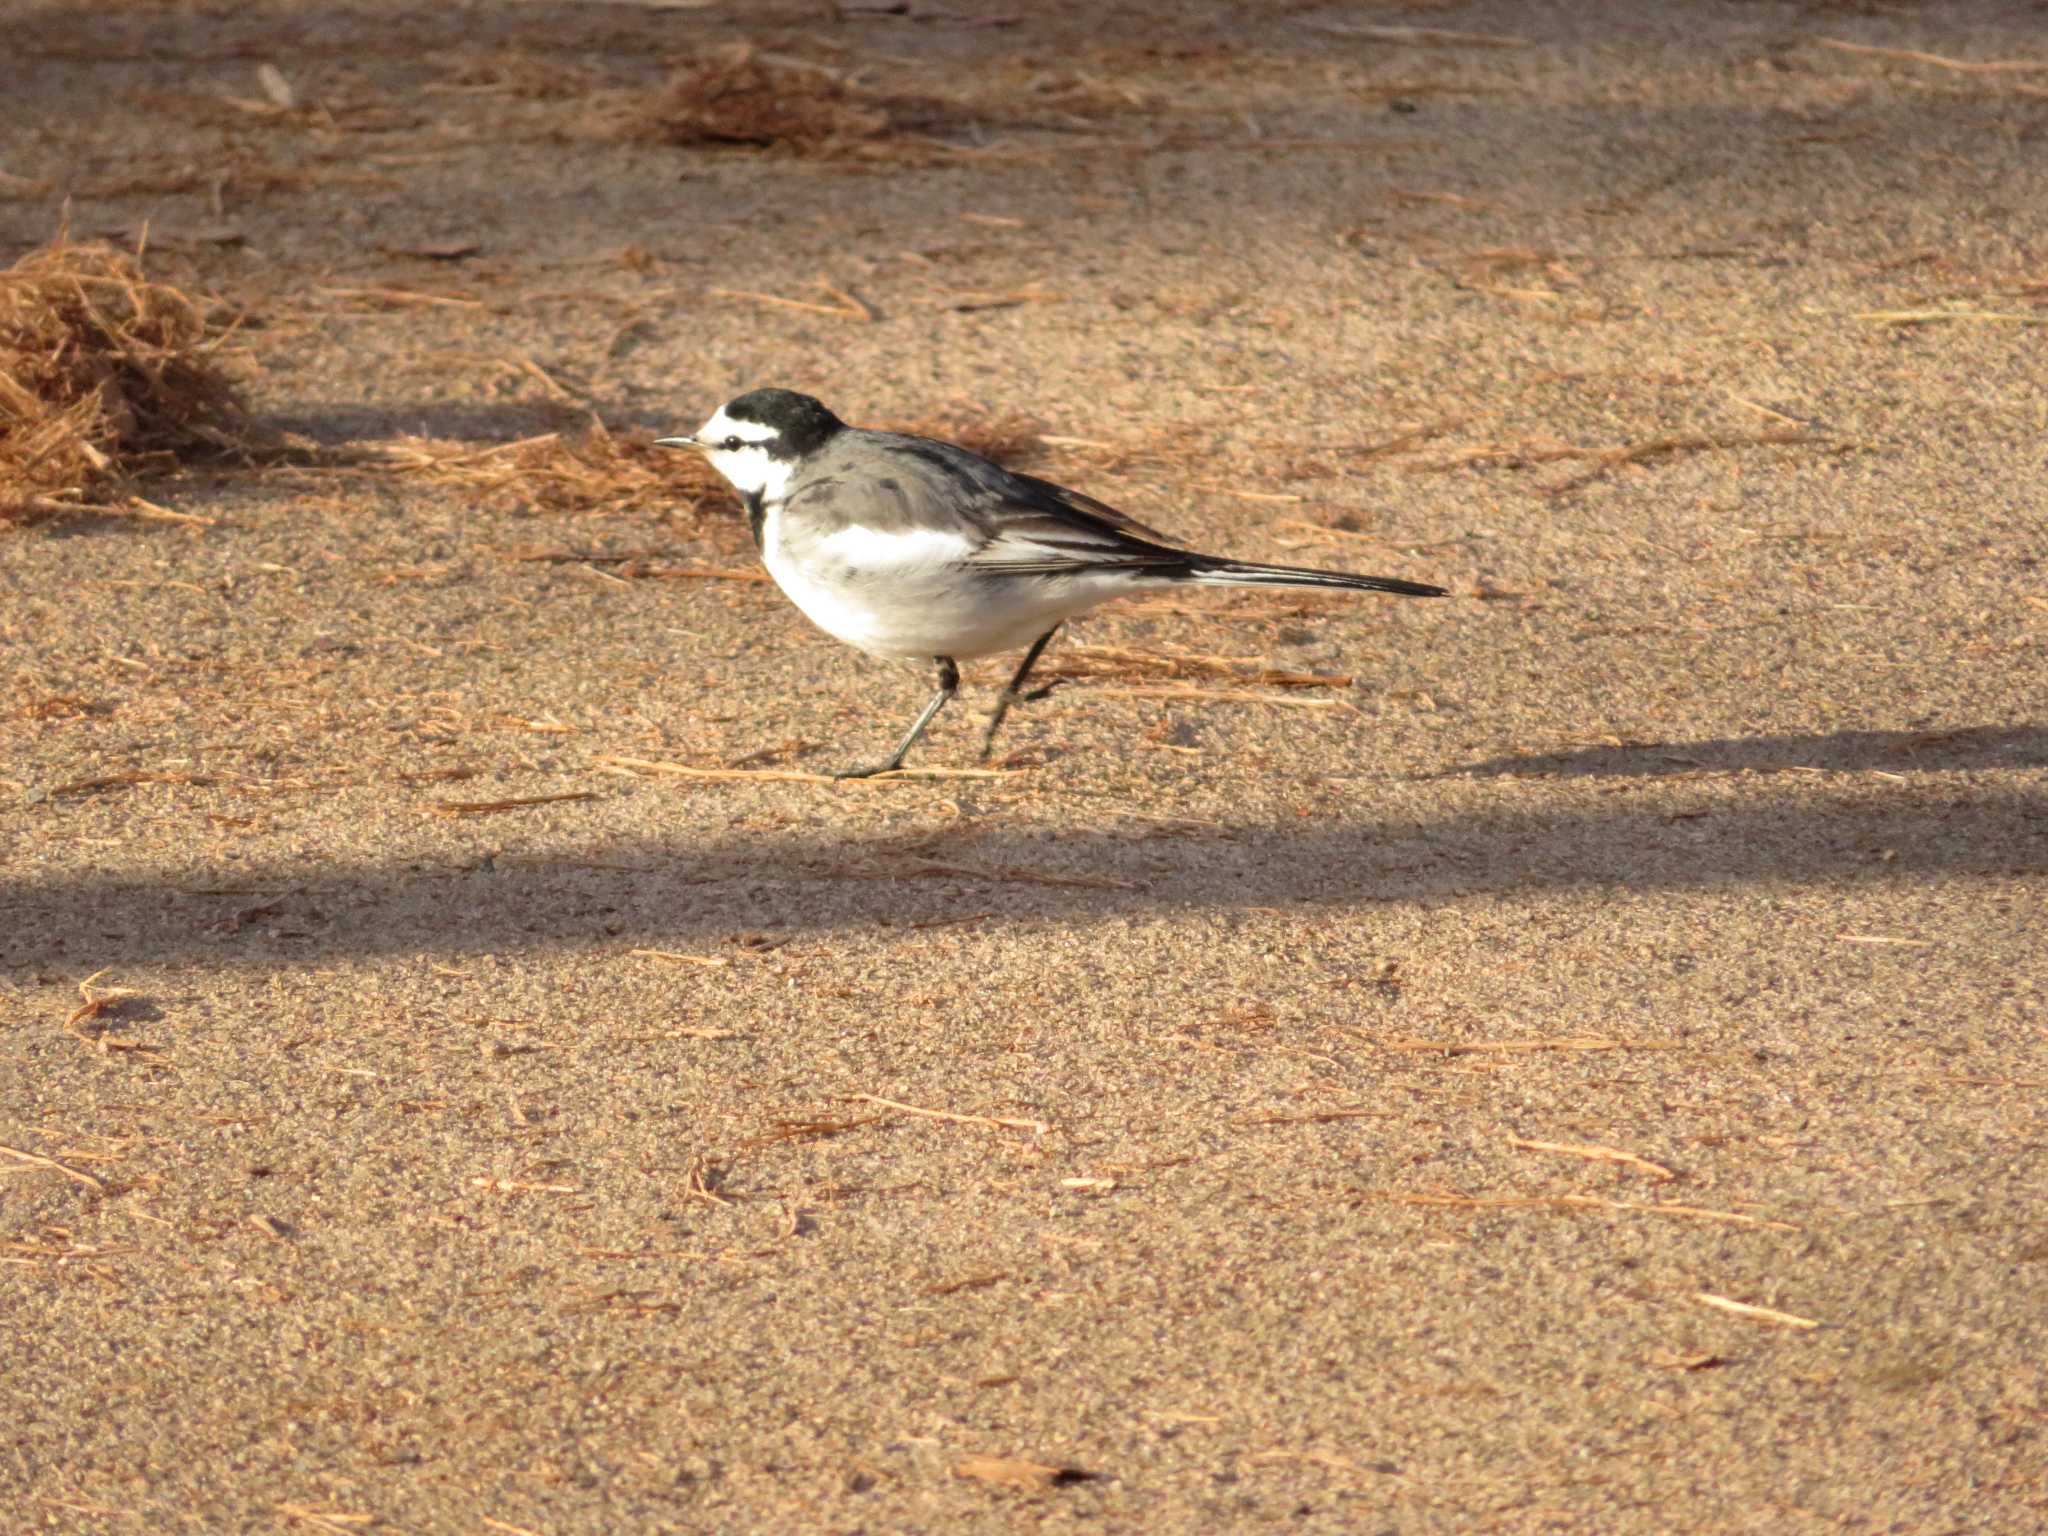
x=731 y=443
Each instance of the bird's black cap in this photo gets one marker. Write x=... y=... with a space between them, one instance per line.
x=800 y=422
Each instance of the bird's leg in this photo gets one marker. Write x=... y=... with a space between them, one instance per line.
x=949 y=683
x=1013 y=692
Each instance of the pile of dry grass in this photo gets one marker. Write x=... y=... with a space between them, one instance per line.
x=742 y=97
x=104 y=376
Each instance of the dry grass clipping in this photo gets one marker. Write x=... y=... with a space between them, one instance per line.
x=592 y=471
x=514 y=72
x=1105 y=663
x=105 y=375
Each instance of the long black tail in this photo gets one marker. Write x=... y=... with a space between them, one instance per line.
x=1239 y=573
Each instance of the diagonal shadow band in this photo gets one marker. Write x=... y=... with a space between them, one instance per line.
x=657 y=893
x=1977 y=746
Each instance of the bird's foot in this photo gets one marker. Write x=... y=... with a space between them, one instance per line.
x=988 y=737
x=1007 y=700
x=867 y=772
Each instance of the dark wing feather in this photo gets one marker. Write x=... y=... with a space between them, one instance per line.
x=1034 y=527
x=1039 y=528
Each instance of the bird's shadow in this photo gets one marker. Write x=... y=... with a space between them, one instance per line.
x=1916 y=824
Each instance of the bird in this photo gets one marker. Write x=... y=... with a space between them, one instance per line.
x=914 y=549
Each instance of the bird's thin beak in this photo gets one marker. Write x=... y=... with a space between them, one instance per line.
x=677 y=442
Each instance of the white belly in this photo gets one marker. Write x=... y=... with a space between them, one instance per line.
x=907 y=595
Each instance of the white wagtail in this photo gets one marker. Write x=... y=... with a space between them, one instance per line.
x=915 y=549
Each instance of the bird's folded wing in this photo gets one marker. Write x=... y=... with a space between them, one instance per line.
x=924 y=494
x=1043 y=528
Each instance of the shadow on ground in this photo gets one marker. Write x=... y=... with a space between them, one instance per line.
x=340 y=425
x=695 y=891
x=1978 y=746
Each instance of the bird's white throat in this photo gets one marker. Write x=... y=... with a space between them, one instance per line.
x=753 y=472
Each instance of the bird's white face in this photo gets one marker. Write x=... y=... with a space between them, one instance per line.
x=745 y=453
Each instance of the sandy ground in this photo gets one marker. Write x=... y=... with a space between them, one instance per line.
x=525 y=1171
